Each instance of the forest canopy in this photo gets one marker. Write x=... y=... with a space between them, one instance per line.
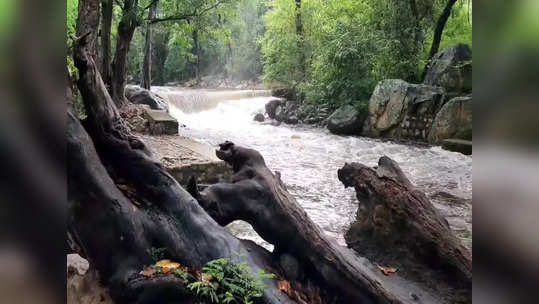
x=329 y=52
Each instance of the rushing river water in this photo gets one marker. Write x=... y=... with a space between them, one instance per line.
x=308 y=159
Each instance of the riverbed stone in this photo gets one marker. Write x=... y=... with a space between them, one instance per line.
x=209 y=172
x=160 y=122
x=280 y=113
x=259 y=117
x=458 y=145
x=138 y=95
x=452 y=69
x=271 y=107
x=454 y=120
x=345 y=120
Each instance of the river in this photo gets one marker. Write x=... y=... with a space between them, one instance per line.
x=308 y=159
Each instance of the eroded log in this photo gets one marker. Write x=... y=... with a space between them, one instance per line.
x=257 y=196
x=397 y=225
x=116 y=230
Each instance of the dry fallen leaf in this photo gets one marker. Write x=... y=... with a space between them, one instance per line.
x=387 y=270
x=167 y=264
x=284 y=286
x=123 y=187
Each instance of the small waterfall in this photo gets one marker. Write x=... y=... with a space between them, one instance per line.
x=193 y=101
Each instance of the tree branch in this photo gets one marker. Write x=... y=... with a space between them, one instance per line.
x=195 y=13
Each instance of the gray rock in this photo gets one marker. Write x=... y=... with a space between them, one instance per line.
x=280 y=113
x=454 y=120
x=160 y=122
x=451 y=69
x=138 y=95
x=259 y=117
x=271 y=107
x=393 y=100
x=210 y=172
x=76 y=264
x=458 y=145
x=345 y=120
x=292 y=120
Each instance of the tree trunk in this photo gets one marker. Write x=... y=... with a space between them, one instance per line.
x=397 y=225
x=257 y=196
x=147 y=65
x=116 y=230
x=126 y=29
x=301 y=40
x=106 y=24
x=160 y=56
x=196 y=50
x=438 y=31
x=92 y=23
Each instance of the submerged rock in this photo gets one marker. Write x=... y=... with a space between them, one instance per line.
x=454 y=120
x=458 y=145
x=345 y=120
x=259 y=117
x=138 y=95
x=451 y=69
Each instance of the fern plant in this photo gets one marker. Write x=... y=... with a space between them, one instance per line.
x=223 y=281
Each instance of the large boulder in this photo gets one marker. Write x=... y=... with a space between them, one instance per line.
x=454 y=120
x=138 y=95
x=400 y=109
x=271 y=107
x=345 y=120
x=458 y=145
x=451 y=69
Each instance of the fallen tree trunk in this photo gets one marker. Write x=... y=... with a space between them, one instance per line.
x=257 y=196
x=397 y=225
x=117 y=229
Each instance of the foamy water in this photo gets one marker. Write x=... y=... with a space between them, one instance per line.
x=308 y=159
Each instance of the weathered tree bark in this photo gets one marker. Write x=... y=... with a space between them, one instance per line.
x=301 y=39
x=259 y=197
x=92 y=22
x=397 y=225
x=126 y=29
x=148 y=49
x=196 y=50
x=160 y=55
x=438 y=31
x=116 y=231
x=106 y=53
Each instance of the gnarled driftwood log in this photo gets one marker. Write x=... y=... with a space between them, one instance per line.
x=115 y=230
x=397 y=225
x=257 y=196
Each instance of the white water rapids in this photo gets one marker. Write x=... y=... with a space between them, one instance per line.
x=308 y=158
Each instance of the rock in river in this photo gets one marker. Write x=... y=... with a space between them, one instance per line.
x=345 y=120
x=138 y=95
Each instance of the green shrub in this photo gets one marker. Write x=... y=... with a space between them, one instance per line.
x=224 y=281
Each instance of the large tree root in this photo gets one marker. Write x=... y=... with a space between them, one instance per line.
x=397 y=225
x=257 y=196
x=116 y=230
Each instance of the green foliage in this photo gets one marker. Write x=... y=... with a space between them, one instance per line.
x=71 y=18
x=157 y=254
x=224 y=281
